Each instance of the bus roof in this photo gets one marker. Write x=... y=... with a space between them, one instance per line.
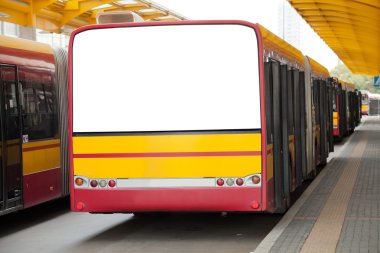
x=25 y=52
x=274 y=44
x=318 y=69
x=24 y=44
x=346 y=85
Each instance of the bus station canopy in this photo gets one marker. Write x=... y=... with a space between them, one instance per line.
x=350 y=27
x=62 y=16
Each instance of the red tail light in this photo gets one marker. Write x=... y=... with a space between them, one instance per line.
x=112 y=183
x=94 y=183
x=239 y=181
x=220 y=182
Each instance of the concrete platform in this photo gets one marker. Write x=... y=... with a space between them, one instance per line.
x=340 y=211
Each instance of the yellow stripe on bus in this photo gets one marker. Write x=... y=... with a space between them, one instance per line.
x=168 y=167
x=335 y=119
x=167 y=143
x=41 y=155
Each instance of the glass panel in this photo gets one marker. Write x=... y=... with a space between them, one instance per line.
x=11 y=29
x=12 y=145
x=39 y=110
x=176 y=83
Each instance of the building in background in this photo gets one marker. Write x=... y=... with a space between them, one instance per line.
x=289 y=24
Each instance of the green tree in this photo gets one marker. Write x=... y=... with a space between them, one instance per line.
x=362 y=82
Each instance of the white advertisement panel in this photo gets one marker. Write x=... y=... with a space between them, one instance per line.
x=166 y=78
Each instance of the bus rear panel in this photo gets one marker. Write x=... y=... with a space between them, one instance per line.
x=161 y=121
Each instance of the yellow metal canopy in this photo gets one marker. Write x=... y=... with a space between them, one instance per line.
x=350 y=27
x=65 y=15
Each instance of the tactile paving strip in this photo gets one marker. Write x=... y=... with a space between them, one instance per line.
x=296 y=233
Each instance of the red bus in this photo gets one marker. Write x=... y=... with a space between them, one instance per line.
x=229 y=118
x=365 y=102
x=32 y=133
x=346 y=103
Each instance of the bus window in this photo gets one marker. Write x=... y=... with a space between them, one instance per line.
x=39 y=113
x=364 y=99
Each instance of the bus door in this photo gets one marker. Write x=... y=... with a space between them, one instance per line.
x=10 y=154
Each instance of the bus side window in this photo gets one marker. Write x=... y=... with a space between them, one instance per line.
x=39 y=112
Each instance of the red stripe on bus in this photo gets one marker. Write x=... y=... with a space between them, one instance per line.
x=168 y=154
x=41 y=147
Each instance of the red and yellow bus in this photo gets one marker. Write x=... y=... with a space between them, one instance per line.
x=30 y=166
x=192 y=116
x=346 y=103
x=365 y=102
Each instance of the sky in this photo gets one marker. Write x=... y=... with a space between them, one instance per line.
x=264 y=12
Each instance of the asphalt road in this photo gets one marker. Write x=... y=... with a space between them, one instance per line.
x=53 y=228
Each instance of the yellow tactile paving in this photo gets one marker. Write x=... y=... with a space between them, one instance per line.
x=326 y=231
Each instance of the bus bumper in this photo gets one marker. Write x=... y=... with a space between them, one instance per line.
x=239 y=199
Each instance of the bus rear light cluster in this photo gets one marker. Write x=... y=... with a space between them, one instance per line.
x=251 y=180
x=103 y=183
x=230 y=181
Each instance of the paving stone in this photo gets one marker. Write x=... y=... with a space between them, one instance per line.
x=361 y=226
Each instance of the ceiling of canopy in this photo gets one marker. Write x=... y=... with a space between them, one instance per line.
x=350 y=27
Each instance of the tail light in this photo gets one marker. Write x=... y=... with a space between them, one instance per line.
x=239 y=181
x=79 y=181
x=220 y=182
x=94 y=183
x=103 y=183
x=256 y=179
x=230 y=181
x=112 y=183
